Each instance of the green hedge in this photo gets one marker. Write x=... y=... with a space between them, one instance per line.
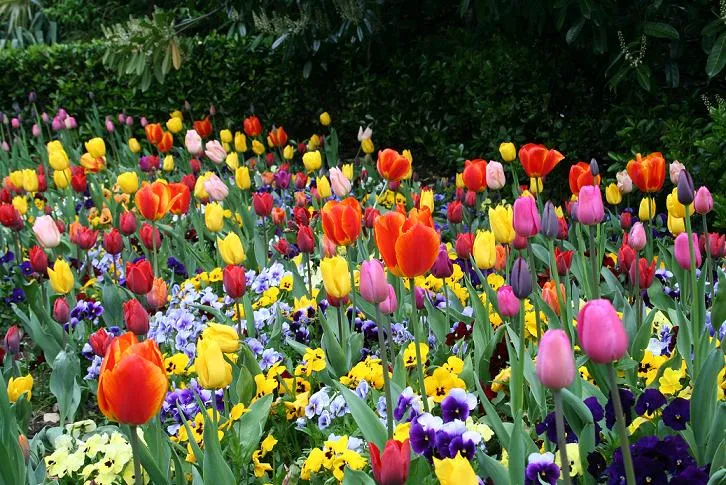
x=446 y=96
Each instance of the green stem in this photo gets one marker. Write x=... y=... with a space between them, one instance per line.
x=341 y=336
x=594 y=263
x=134 y=440
x=535 y=287
x=708 y=251
x=154 y=248
x=386 y=377
x=446 y=301
x=696 y=322
x=622 y=429
x=520 y=360
x=351 y=267
x=239 y=317
x=310 y=274
x=417 y=341
x=564 y=306
x=561 y=442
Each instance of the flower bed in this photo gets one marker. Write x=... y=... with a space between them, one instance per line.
x=250 y=308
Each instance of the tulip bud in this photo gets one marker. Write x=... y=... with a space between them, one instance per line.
x=520 y=242
x=139 y=277
x=99 y=341
x=12 y=340
x=703 y=201
x=464 y=245
x=234 y=281
x=550 y=225
x=470 y=198
x=136 y=318
x=390 y=304
x=455 y=212
x=262 y=203
x=369 y=216
x=157 y=297
x=600 y=332
x=594 y=168
x=150 y=236
x=555 y=366
x=521 y=278
x=112 y=242
x=590 y=209
x=507 y=302
x=24 y=447
x=127 y=223
x=329 y=247
x=61 y=311
x=373 y=286
x=38 y=260
x=305 y=239
x=682 y=253
x=525 y=217
x=637 y=238
x=626 y=220
x=685 y=189
x=443 y=267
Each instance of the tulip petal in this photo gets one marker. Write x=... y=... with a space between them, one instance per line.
x=416 y=250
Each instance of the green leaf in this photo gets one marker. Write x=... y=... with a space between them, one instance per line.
x=703 y=402
x=252 y=426
x=369 y=424
x=718 y=310
x=660 y=30
x=356 y=477
x=64 y=386
x=215 y=468
x=574 y=32
x=717 y=57
x=642 y=74
x=437 y=321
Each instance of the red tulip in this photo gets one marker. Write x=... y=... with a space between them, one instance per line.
x=393 y=166
x=391 y=467
x=78 y=179
x=277 y=137
x=38 y=259
x=86 y=237
x=12 y=340
x=136 y=318
x=538 y=160
x=648 y=173
x=305 y=239
x=581 y=175
x=112 y=242
x=645 y=273
x=455 y=212
x=166 y=143
x=262 y=203
x=9 y=216
x=99 y=341
x=342 y=221
x=252 y=126
x=139 y=277
x=234 y=281
x=369 y=216
x=150 y=236
x=61 y=311
x=154 y=133
x=626 y=256
x=464 y=245
x=475 y=175
x=563 y=260
x=127 y=223
x=203 y=127
x=301 y=216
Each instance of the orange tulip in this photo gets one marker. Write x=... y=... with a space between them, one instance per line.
x=132 y=383
x=181 y=197
x=393 y=166
x=648 y=173
x=203 y=127
x=154 y=200
x=166 y=143
x=409 y=246
x=538 y=160
x=475 y=175
x=342 y=221
x=501 y=261
x=154 y=133
x=580 y=175
x=549 y=295
x=277 y=137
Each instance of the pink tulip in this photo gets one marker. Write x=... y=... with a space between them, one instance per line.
x=625 y=183
x=192 y=141
x=507 y=301
x=373 y=285
x=682 y=252
x=526 y=216
x=338 y=182
x=390 y=304
x=637 y=239
x=590 y=210
x=600 y=332
x=555 y=365
x=46 y=231
x=495 y=175
x=35 y=130
x=703 y=203
x=216 y=188
x=215 y=151
x=674 y=170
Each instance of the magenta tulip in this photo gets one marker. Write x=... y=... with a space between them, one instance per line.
x=507 y=301
x=525 y=216
x=682 y=251
x=590 y=210
x=600 y=332
x=555 y=361
x=373 y=285
x=390 y=304
x=703 y=203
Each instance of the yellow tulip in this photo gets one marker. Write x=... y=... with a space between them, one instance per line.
x=613 y=195
x=312 y=161
x=58 y=159
x=258 y=147
x=313 y=143
x=128 y=182
x=16 y=178
x=643 y=213
x=535 y=185
x=485 y=250
x=676 y=225
x=231 y=249
x=225 y=336
x=177 y=114
x=225 y=136
x=174 y=124
x=501 y=222
x=460 y=181
x=61 y=277
x=96 y=147
x=168 y=164
x=62 y=178
x=30 y=180
x=323 y=185
x=325 y=118
x=214 y=216
x=240 y=142
x=348 y=171
x=335 y=276
x=232 y=160
x=288 y=152
x=21 y=204
x=426 y=199
x=508 y=151
x=212 y=370
x=675 y=208
x=455 y=471
x=18 y=387
x=199 y=191
x=242 y=178
x=134 y=145
x=367 y=146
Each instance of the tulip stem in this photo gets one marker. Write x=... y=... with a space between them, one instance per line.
x=594 y=263
x=386 y=377
x=239 y=317
x=622 y=430
x=134 y=441
x=564 y=306
x=154 y=249
x=696 y=322
x=417 y=340
x=535 y=287
x=708 y=251
x=520 y=360
x=561 y=442
x=310 y=274
x=446 y=301
x=638 y=296
x=351 y=270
